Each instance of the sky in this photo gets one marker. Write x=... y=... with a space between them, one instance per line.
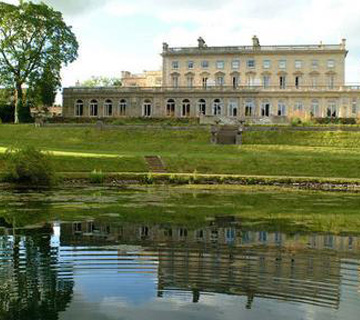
x=117 y=35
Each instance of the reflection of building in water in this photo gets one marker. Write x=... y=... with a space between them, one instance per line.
x=222 y=258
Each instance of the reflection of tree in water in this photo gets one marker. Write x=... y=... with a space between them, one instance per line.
x=31 y=286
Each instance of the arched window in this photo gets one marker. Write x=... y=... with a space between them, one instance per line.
x=170 y=108
x=233 y=108
x=108 y=108
x=185 y=108
x=314 y=108
x=331 y=111
x=79 y=108
x=122 y=107
x=147 y=108
x=281 y=109
x=217 y=107
x=249 y=108
x=265 y=109
x=202 y=107
x=94 y=108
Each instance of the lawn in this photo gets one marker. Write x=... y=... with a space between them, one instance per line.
x=285 y=153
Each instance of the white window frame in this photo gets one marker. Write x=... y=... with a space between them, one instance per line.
x=79 y=105
x=220 y=64
x=282 y=64
x=281 y=112
x=108 y=108
x=122 y=107
x=298 y=64
x=175 y=65
x=205 y=64
x=266 y=64
x=235 y=64
x=250 y=63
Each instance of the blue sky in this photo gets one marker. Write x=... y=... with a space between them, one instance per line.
x=116 y=35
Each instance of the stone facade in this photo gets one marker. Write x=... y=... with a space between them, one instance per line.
x=146 y=79
x=245 y=82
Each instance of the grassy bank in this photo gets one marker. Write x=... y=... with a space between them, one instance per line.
x=285 y=153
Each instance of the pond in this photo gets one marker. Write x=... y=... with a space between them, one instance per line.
x=179 y=253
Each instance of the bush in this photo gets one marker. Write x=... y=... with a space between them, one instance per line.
x=29 y=166
x=7 y=113
x=97 y=176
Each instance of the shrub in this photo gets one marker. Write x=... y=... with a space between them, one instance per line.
x=7 y=113
x=29 y=166
x=96 y=176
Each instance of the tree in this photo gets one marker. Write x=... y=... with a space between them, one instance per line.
x=42 y=91
x=102 y=82
x=33 y=37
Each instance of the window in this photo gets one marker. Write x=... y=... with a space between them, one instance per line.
x=331 y=82
x=79 y=108
x=297 y=82
x=265 y=109
x=314 y=108
x=190 y=64
x=266 y=81
x=220 y=81
x=190 y=81
x=250 y=80
x=233 y=108
x=217 y=107
x=175 y=64
x=249 y=108
x=298 y=107
x=94 y=107
x=122 y=107
x=235 y=64
x=331 y=111
x=147 y=108
x=315 y=64
x=282 y=64
x=108 y=108
x=314 y=81
x=170 y=108
x=250 y=63
x=298 y=64
x=175 y=81
x=185 y=108
x=266 y=64
x=220 y=64
x=202 y=107
x=205 y=82
x=282 y=80
x=281 y=109
x=354 y=107
x=331 y=63
x=235 y=81
x=204 y=64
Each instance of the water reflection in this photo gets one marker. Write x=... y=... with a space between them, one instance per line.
x=75 y=266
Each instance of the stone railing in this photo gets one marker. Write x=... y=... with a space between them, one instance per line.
x=114 y=90
x=235 y=49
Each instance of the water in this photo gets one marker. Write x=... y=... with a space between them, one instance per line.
x=106 y=265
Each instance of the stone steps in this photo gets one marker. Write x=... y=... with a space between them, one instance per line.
x=155 y=164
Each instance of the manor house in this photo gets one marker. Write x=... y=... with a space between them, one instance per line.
x=252 y=82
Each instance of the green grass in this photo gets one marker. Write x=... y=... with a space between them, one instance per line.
x=284 y=153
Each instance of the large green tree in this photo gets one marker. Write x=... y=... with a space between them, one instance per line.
x=32 y=38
